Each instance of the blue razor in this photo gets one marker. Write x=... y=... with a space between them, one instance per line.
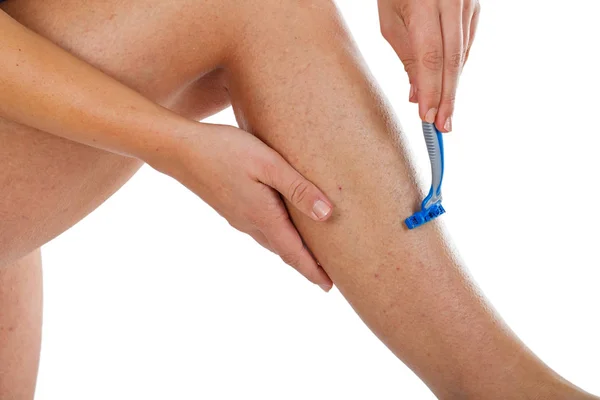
x=431 y=207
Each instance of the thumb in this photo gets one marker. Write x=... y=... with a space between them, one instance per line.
x=299 y=191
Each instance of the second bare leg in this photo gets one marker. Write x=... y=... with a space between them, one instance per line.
x=20 y=326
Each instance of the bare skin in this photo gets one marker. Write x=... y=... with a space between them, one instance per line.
x=433 y=39
x=317 y=106
x=87 y=106
x=20 y=326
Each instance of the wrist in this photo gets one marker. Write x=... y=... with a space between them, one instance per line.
x=164 y=141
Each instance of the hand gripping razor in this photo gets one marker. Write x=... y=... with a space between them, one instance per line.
x=431 y=207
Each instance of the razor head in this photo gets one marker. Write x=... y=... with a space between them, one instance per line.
x=424 y=216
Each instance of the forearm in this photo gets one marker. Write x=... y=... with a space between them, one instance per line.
x=47 y=88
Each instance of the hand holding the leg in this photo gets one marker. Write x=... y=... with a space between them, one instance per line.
x=241 y=178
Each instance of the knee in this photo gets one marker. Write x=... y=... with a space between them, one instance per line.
x=272 y=30
x=283 y=19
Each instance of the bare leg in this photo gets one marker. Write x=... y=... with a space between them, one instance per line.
x=20 y=326
x=297 y=81
x=299 y=84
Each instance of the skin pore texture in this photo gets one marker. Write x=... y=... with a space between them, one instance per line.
x=298 y=83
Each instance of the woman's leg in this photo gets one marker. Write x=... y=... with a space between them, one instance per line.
x=20 y=326
x=298 y=82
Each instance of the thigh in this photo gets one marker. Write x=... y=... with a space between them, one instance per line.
x=49 y=183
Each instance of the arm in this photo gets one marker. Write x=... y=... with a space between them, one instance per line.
x=47 y=88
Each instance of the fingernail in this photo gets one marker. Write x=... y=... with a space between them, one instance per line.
x=412 y=92
x=321 y=209
x=430 y=116
x=448 y=124
x=326 y=288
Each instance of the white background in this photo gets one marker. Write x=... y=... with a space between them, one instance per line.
x=154 y=296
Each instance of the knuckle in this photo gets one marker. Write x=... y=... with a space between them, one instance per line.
x=272 y=204
x=433 y=94
x=278 y=218
x=242 y=227
x=387 y=30
x=233 y=224
x=265 y=213
x=455 y=61
x=258 y=220
x=272 y=219
x=410 y=63
x=290 y=258
x=254 y=219
x=449 y=98
x=433 y=60
x=404 y=11
x=298 y=190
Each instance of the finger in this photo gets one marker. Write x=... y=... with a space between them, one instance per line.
x=285 y=240
x=452 y=33
x=473 y=29
x=426 y=38
x=467 y=17
x=303 y=195
x=412 y=96
x=395 y=32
